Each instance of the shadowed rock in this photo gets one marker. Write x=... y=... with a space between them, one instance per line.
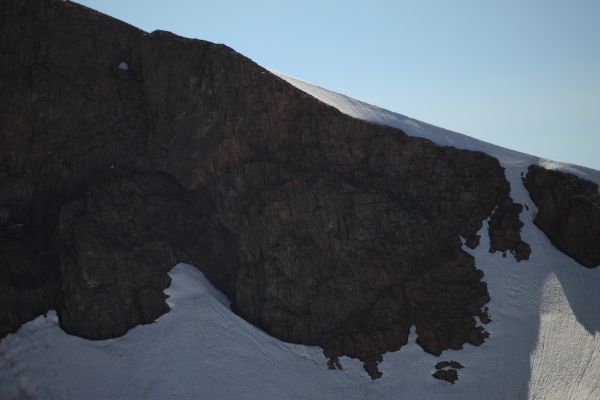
x=568 y=212
x=442 y=365
x=450 y=375
x=322 y=229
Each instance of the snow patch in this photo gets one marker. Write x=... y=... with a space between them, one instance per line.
x=123 y=66
x=412 y=124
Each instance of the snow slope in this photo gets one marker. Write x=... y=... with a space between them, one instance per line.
x=544 y=339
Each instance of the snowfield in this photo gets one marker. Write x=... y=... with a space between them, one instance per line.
x=544 y=338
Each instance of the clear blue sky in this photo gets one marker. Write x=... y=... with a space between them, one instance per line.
x=524 y=74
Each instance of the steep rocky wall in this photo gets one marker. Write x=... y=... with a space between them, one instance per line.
x=568 y=212
x=322 y=229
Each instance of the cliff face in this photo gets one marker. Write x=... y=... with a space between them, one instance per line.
x=124 y=152
x=568 y=212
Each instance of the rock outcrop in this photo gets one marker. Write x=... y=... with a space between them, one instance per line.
x=505 y=227
x=449 y=375
x=568 y=212
x=322 y=229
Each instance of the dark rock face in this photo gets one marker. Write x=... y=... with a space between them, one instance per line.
x=442 y=365
x=505 y=227
x=66 y=116
x=322 y=229
x=116 y=244
x=568 y=212
x=445 y=364
x=450 y=375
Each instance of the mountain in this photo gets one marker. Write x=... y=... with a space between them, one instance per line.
x=379 y=245
x=561 y=191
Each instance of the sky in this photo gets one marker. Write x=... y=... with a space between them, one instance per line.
x=523 y=74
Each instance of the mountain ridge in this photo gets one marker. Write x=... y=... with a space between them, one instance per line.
x=322 y=229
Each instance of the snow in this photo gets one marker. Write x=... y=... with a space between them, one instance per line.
x=544 y=338
x=199 y=348
x=123 y=66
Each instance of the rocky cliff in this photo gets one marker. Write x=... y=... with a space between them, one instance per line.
x=123 y=152
x=568 y=212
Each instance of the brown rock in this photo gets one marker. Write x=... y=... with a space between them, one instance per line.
x=371 y=368
x=4 y=216
x=484 y=317
x=505 y=227
x=568 y=212
x=452 y=375
x=334 y=363
x=321 y=228
x=107 y=285
x=440 y=374
x=14 y=229
x=442 y=364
